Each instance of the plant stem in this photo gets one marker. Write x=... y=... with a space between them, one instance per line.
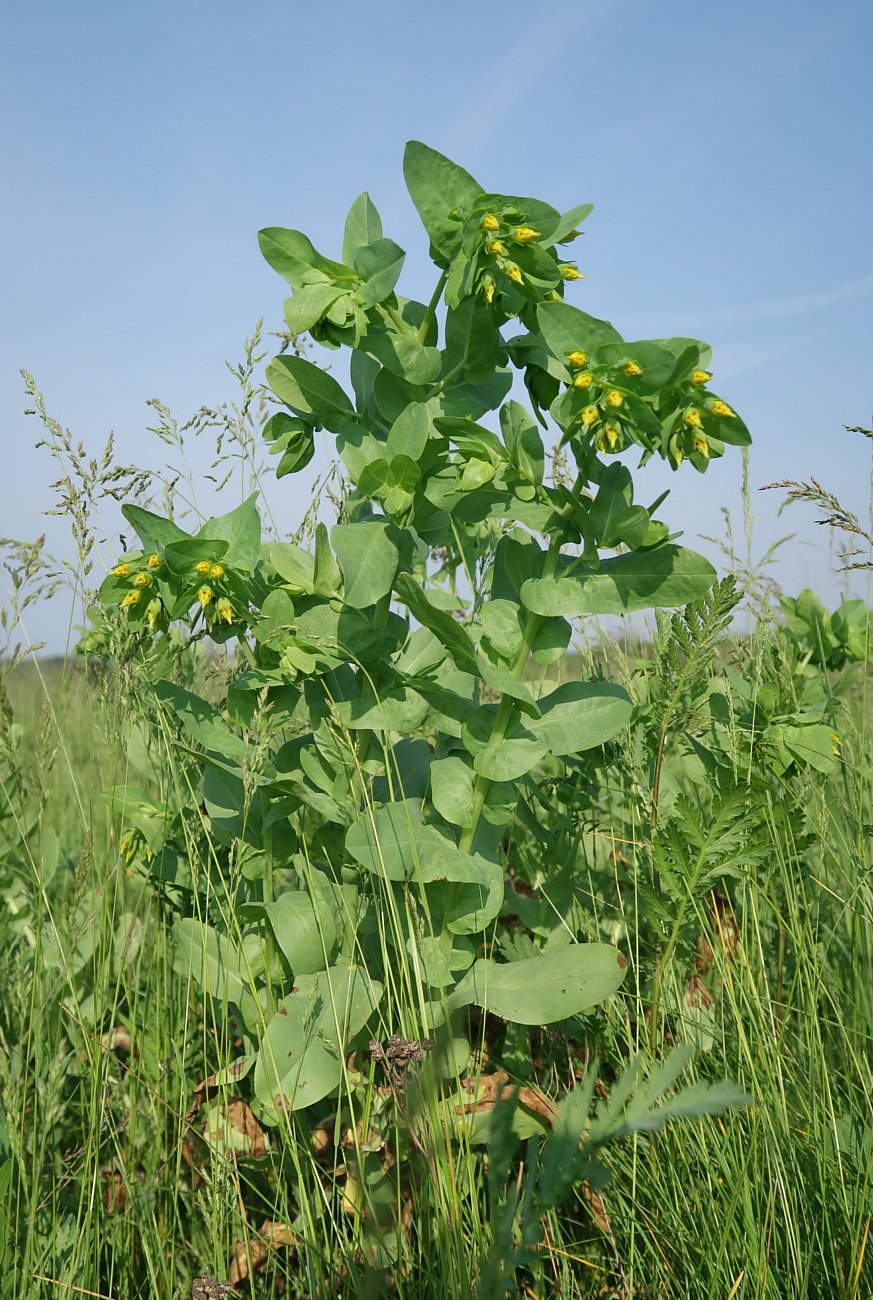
x=432 y=306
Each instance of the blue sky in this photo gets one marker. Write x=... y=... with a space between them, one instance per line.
x=726 y=149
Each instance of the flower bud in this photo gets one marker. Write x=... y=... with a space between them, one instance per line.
x=131 y=599
x=514 y=273
x=583 y=380
x=700 y=377
x=495 y=247
x=569 y=271
x=632 y=369
x=722 y=410
x=524 y=234
x=216 y=572
x=203 y=567
x=590 y=415
x=577 y=359
x=490 y=222
x=142 y=580
x=204 y=595
x=701 y=446
x=224 y=609
x=692 y=418
x=120 y=571
x=154 y=561
x=614 y=398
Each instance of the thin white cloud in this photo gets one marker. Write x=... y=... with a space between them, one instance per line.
x=761 y=309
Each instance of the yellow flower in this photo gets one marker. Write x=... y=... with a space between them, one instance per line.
x=524 y=234
x=216 y=572
x=583 y=380
x=569 y=271
x=224 y=609
x=204 y=595
x=120 y=571
x=590 y=415
x=722 y=409
x=495 y=247
x=490 y=222
x=701 y=446
x=700 y=377
x=611 y=435
x=835 y=740
x=154 y=561
x=577 y=359
x=153 y=613
x=142 y=580
x=614 y=398
x=632 y=369
x=131 y=599
x=514 y=273
x=203 y=567
x=488 y=287
x=692 y=418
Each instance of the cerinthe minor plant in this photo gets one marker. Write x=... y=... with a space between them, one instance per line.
x=388 y=670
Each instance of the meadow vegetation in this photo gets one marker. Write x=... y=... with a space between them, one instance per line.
x=378 y=920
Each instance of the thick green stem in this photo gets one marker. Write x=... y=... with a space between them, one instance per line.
x=432 y=306
x=247 y=650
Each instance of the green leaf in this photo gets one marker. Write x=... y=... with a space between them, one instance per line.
x=567 y=224
x=437 y=186
x=241 y=529
x=202 y=722
x=403 y=356
x=379 y=265
x=327 y=579
x=452 y=790
x=306 y=934
x=309 y=391
x=368 y=560
x=502 y=627
x=502 y=680
x=473 y=906
x=291 y=254
x=294 y=566
x=385 y=842
x=507 y=760
x=291 y=438
x=410 y=431
x=303 y=1050
x=579 y=715
x=455 y=639
x=550 y=641
x=668 y=576
x=566 y=329
x=363 y=226
x=812 y=745
x=542 y=989
x=208 y=958
x=398 y=709
x=472 y=341
x=309 y=304
x=153 y=531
